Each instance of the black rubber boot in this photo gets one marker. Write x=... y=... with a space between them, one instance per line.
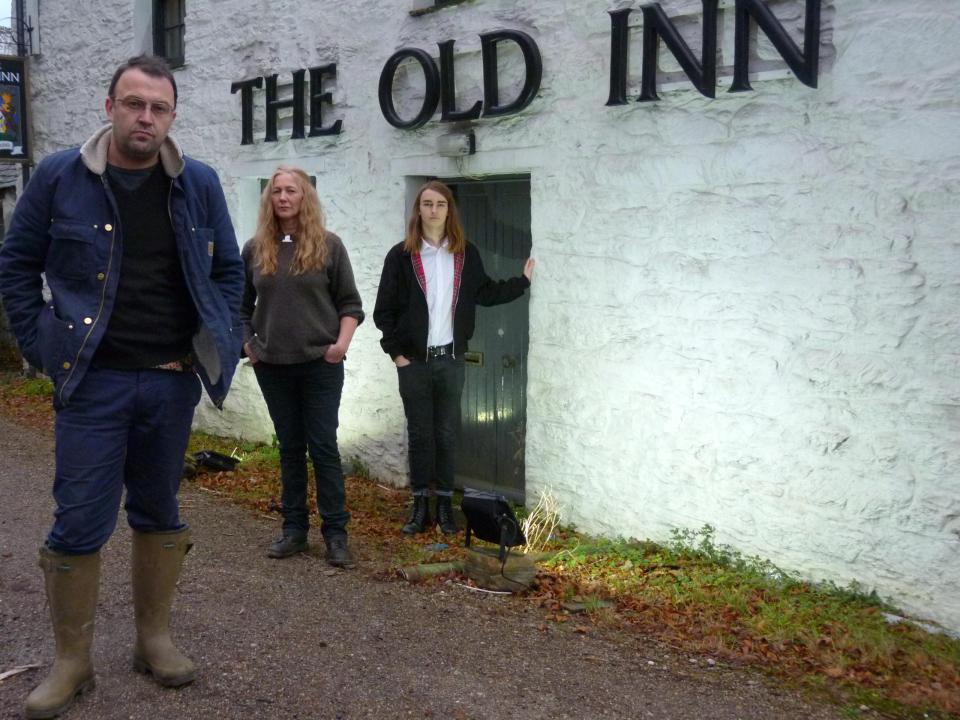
x=445 y=519
x=419 y=516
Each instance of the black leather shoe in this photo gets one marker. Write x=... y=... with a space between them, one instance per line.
x=445 y=519
x=419 y=516
x=338 y=553
x=286 y=546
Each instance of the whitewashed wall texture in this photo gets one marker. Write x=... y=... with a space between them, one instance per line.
x=745 y=311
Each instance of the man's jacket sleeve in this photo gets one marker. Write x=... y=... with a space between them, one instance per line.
x=227 y=267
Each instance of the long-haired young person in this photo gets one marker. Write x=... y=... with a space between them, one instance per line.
x=426 y=306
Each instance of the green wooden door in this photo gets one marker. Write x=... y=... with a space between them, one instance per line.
x=490 y=454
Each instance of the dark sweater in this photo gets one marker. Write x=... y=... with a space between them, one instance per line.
x=291 y=318
x=401 y=311
x=153 y=318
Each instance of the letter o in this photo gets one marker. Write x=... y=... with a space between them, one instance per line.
x=432 y=91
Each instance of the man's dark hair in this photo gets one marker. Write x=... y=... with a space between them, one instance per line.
x=149 y=65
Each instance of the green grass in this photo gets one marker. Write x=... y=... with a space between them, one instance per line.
x=360 y=468
x=746 y=607
x=37 y=387
x=251 y=453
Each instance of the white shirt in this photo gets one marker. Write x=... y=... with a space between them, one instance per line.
x=438 y=271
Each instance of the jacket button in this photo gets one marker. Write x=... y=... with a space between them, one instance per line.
x=100 y=276
x=87 y=321
x=70 y=326
x=108 y=227
x=66 y=366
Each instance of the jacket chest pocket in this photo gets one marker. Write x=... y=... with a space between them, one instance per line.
x=73 y=250
x=205 y=245
x=199 y=251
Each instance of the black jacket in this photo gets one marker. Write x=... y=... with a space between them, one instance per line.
x=401 y=311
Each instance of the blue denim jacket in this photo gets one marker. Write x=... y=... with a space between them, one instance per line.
x=66 y=225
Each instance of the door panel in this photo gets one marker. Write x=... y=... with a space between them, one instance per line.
x=490 y=455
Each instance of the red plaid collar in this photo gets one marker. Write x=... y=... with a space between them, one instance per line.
x=422 y=276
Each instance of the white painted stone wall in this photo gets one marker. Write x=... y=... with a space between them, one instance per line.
x=745 y=311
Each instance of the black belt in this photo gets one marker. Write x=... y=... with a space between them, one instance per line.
x=439 y=351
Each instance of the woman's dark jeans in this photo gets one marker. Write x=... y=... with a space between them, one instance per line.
x=304 y=403
x=431 y=391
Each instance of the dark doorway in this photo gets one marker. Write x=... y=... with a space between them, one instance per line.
x=490 y=452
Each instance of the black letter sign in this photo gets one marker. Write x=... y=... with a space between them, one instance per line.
x=274 y=106
x=702 y=74
x=619 y=55
x=246 y=107
x=431 y=95
x=657 y=26
x=448 y=89
x=317 y=97
x=803 y=63
x=533 y=72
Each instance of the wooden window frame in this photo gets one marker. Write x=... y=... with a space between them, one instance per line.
x=161 y=30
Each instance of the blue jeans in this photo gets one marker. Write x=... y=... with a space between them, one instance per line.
x=304 y=404
x=121 y=428
x=431 y=391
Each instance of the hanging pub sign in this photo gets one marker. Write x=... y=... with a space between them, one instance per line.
x=14 y=132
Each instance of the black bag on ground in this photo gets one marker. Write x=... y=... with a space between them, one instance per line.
x=490 y=517
x=213 y=460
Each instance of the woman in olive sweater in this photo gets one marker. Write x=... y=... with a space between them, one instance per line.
x=300 y=310
x=429 y=289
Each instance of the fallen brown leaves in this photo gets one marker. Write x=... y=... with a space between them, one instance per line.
x=377 y=514
x=31 y=410
x=912 y=680
x=716 y=630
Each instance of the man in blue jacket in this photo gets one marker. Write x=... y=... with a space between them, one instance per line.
x=145 y=282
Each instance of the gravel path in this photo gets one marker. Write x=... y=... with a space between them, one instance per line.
x=296 y=639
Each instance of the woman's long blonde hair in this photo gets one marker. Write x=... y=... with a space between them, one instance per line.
x=453 y=229
x=311 y=246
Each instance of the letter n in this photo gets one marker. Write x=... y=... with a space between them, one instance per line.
x=804 y=63
x=702 y=73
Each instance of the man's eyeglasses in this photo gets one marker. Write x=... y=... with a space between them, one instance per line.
x=136 y=105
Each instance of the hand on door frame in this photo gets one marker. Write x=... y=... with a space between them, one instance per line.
x=528 y=269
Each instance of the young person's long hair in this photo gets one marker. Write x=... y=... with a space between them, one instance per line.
x=453 y=230
x=311 y=235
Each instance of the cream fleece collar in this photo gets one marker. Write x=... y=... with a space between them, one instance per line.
x=94 y=153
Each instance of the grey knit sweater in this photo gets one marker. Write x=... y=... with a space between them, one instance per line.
x=291 y=318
